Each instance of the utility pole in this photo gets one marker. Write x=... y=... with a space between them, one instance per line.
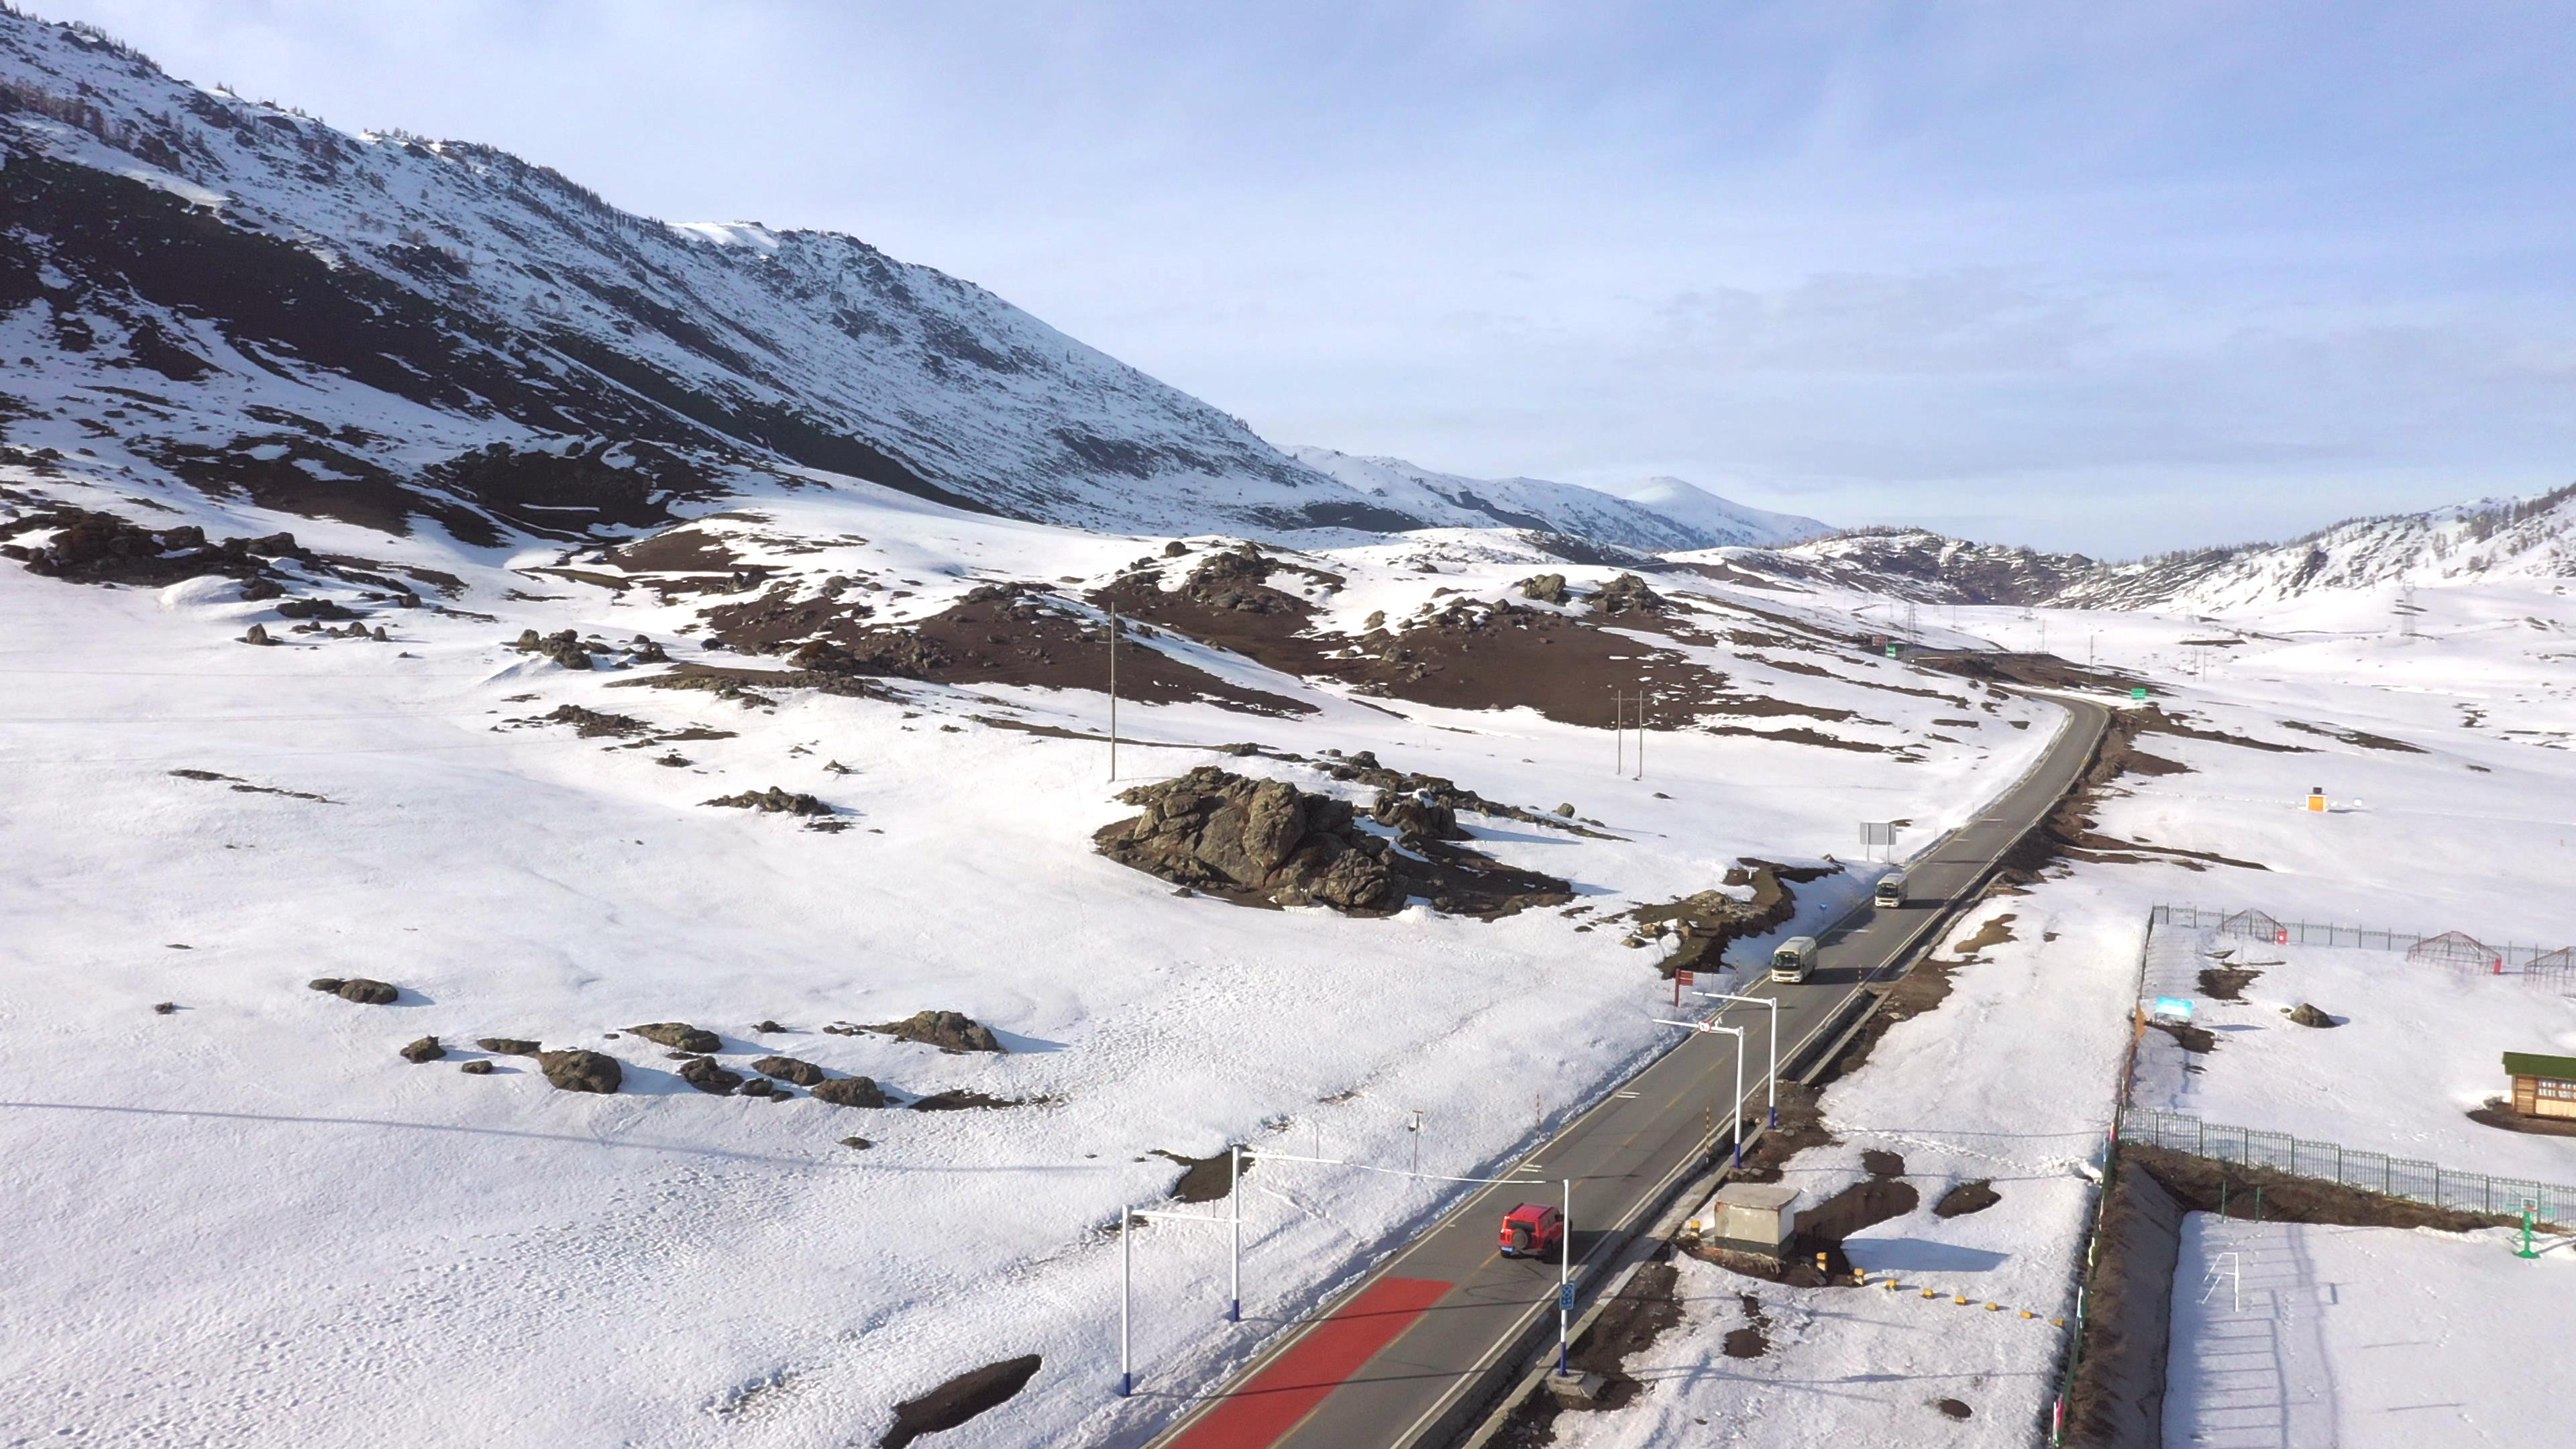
x=1618 y=737
x=1641 y=734
x=1113 y=691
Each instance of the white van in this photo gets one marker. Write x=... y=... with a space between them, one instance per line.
x=1795 y=960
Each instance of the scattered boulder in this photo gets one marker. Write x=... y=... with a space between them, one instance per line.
x=950 y=1031
x=756 y=1087
x=703 y=1074
x=1268 y=842
x=257 y=634
x=426 y=1049
x=564 y=647
x=164 y=1008
x=326 y=983
x=850 y=1092
x=2306 y=1015
x=789 y=1069
x=1566 y=810
x=857 y=1144
x=1545 y=588
x=680 y=1036
x=316 y=608
x=1417 y=813
x=592 y=723
x=959 y=1099
x=1627 y=594
x=1175 y=549
x=580 y=1071
x=773 y=801
x=367 y=993
x=767 y=1028
x=508 y=1046
x=476 y=1068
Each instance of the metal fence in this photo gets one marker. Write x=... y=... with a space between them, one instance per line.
x=2255 y=925
x=2416 y=1181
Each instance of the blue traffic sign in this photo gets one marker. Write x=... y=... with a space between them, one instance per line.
x=1565 y=1297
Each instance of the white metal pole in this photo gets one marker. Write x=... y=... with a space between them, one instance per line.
x=1564 y=1274
x=1641 y=734
x=1737 y=1110
x=1126 y=1271
x=1771 y=1088
x=1113 y=691
x=1234 y=1275
x=1618 y=737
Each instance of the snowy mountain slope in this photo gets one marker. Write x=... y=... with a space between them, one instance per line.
x=2525 y=538
x=1676 y=516
x=198 y=289
x=1721 y=521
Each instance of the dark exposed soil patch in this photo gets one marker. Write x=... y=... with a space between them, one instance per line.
x=2037 y=671
x=1966 y=1198
x=2196 y=1040
x=1646 y=1308
x=100 y=548
x=1879 y=1162
x=997 y=634
x=2361 y=738
x=1801 y=1127
x=676 y=550
x=243 y=787
x=1993 y=933
x=1205 y=1179
x=960 y=1100
x=1864 y=1204
x=1951 y=1408
x=959 y=1399
x=1266 y=842
x=1753 y=1339
x=2227 y=983
x=2498 y=1112
x=2154 y=720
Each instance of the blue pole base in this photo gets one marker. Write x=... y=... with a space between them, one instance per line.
x=1126 y=1385
x=1739 y=1154
x=1775 y=1119
x=1234 y=1311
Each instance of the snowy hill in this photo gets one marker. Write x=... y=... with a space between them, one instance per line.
x=2525 y=538
x=1665 y=514
x=1721 y=521
x=376 y=328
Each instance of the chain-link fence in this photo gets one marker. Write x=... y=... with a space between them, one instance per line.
x=2257 y=926
x=2417 y=1181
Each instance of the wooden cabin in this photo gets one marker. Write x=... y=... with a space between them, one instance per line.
x=2543 y=1086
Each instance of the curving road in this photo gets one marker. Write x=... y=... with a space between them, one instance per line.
x=1426 y=1341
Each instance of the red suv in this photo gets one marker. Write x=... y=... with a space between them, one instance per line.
x=1532 y=1228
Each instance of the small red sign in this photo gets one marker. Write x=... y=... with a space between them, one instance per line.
x=1685 y=978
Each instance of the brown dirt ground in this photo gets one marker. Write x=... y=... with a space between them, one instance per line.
x=2067 y=833
x=2227 y=983
x=1205 y=1179
x=1966 y=1198
x=2499 y=1113
x=1646 y=1308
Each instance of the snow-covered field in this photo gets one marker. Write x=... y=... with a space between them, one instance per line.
x=2297 y=1336
x=2013 y=1077
x=2418 y=1050
x=250 y=1221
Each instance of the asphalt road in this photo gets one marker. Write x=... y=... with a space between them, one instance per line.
x=1329 y=1385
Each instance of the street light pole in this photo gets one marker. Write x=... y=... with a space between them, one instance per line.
x=1126 y=1274
x=1618 y=736
x=1641 y=734
x=1735 y=1117
x=1564 y=1274
x=1771 y=1088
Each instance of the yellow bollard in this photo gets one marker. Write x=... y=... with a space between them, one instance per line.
x=2026 y=1313
x=2057 y=1323
x=1994 y=1308
x=1962 y=1298
x=1890 y=1285
x=1928 y=1293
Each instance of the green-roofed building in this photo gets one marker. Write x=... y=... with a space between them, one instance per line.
x=2543 y=1086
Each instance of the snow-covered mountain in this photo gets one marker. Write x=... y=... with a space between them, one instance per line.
x=1722 y=521
x=1666 y=514
x=2509 y=538
x=197 y=288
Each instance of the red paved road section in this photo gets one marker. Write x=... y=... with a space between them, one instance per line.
x=1262 y=1412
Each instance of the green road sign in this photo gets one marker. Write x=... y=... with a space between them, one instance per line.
x=1891 y=651
x=2137 y=693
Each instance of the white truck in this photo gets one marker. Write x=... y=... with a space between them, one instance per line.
x=1795 y=959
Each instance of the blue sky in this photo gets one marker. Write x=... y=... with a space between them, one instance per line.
x=2110 y=277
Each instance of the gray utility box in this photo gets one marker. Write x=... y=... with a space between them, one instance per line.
x=1749 y=1217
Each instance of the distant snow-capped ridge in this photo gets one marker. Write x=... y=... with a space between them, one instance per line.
x=1662 y=514
x=2515 y=538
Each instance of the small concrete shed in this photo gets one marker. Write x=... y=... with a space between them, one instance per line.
x=1748 y=1217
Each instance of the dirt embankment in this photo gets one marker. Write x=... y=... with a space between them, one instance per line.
x=1710 y=921
x=2069 y=833
x=2117 y=1398
x=1646 y=1308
